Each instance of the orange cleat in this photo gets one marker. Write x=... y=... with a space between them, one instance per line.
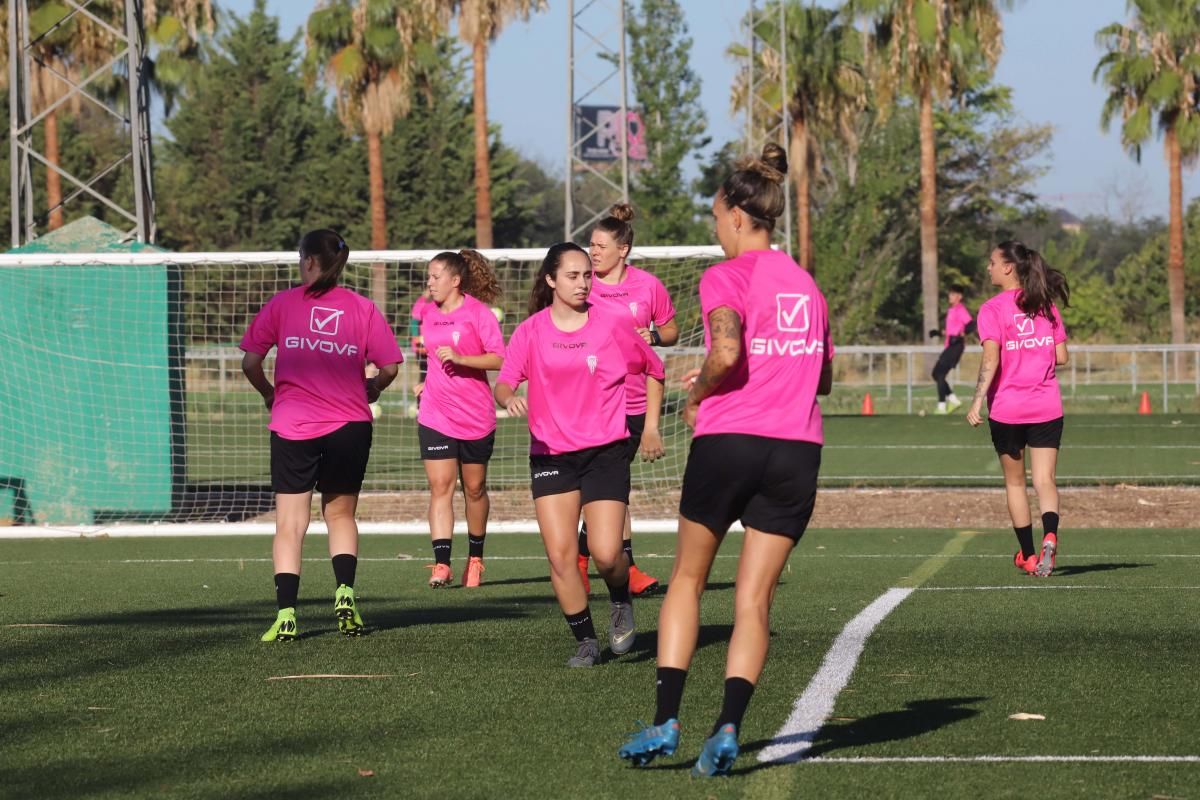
x=441 y=575
x=583 y=565
x=1045 y=566
x=1028 y=565
x=640 y=583
x=474 y=574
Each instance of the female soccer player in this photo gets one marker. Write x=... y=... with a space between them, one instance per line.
x=638 y=296
x=576 y=359
x=320 y=421
x=456 y=425
x=1023 y=341
x=958 y=324
x=755 y=455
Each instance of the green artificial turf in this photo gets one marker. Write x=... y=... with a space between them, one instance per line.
x=157 y=684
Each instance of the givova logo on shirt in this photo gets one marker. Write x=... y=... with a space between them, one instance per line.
x=455 y=337
x=592 y=361
x=633 y=308
x=324 y=321
x=791 y=312
x=1025 y=333
x=791 y=316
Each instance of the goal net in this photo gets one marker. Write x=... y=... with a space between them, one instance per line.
x=123 y=399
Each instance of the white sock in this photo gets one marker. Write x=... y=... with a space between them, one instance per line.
x=952 y=397
x=941 y=406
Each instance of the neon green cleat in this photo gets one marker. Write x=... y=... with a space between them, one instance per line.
x=284 y=629
x=349 y=622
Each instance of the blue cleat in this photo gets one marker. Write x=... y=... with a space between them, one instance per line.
x=718 y=754
x=651 y=741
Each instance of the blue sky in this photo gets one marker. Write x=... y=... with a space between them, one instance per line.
x=1049 y=56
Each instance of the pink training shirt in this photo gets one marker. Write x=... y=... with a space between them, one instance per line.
x=323 y=345
x=576 y=379
x=1025 y=388
x=644 y=299
x=772 y=391
x=457 y=401
x=957 y=319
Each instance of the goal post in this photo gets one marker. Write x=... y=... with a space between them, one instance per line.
x=123 y=399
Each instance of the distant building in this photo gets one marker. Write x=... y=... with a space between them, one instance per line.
x=1066 y=220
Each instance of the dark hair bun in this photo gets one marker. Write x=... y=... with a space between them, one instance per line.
x=772 y=164
x=622 y=212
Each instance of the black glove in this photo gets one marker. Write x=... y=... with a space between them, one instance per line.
x=933 y=334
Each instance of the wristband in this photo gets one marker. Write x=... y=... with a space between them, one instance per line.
x=655 y=338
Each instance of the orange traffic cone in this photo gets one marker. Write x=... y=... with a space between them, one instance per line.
x=868 y=408
x=1144 y=406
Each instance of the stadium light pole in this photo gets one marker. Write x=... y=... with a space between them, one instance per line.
x=129 y=47
x=763 y=122
x=600 y=24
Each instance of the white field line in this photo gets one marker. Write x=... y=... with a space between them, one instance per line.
x=1003 y=759
x=816 y=704
x=1138 y=447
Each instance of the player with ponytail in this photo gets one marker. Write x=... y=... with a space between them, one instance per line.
x=456 y=424
x=321 y=424
x=1024 y=340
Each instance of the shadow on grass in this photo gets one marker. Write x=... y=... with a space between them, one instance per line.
x=646 y=647
x=917 y=718
x=1082 y=569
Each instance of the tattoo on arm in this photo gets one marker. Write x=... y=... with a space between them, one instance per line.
x=725 y=334
x=987 y=369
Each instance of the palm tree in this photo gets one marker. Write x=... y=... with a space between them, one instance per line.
x=65 y=52
x=370 y=52
x=826 y=93
x=1151 y=69
x=479 y=23
x=931 y=50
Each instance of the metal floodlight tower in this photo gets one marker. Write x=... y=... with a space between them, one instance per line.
x=127 y=65
x=600 y=24
x=767 y=60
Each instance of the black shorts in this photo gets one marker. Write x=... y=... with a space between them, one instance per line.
x=598 y=473
x=1011 y=438
x=636 y=424
x=770 y=484
x=334 y=463
x=437 y=446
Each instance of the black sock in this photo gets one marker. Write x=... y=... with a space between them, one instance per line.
x=627 y=546
x=737 y=697
x=1050 y=522
x=620 y=594
x=474 y=546
x=441 y=551
x=583 y=544
x=581 y=624
x=669 y=687
x=344 y=567
x=1025 y=537
x=287 y=588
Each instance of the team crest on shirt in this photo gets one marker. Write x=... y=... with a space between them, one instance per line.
x=633 y=308
x=1024 y=324
x=454 y=336
x=791 y=312
x=592 y=361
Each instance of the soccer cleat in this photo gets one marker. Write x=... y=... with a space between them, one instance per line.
x=583 y=565
x=284 y=629
x=1026 y=563
x=621 y=630
x=474 y=574
x=587 y=654
x=952 y=405
x=349 y=622
x=640 y=583
x=1045 y=565
x=940 y=411
x=441 y=575
x=718 y=754
x=650 y=742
